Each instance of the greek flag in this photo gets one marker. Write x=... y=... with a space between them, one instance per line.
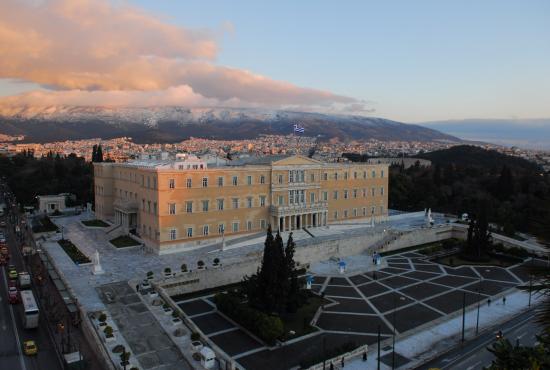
x=298 y=128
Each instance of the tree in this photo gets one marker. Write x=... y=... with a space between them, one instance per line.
x=478 y=240
x=293 y=295
x=510 y=357
x=505 y=184
x=99 y=154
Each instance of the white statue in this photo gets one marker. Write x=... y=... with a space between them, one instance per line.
x=97 y=269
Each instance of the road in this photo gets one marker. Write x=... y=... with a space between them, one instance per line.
x=474 y=354
x=13 y=333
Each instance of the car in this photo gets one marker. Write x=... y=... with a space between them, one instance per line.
x=30 y=348
x=13 y=294
x=2 y=223
x=12 y=272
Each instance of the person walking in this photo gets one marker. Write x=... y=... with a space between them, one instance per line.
x=504 y=301
x=489 y=302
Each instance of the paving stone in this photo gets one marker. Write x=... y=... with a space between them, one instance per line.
x=393 y=270
x=350 y=305
x=338 y=281
x=405 y=266
x=351 y=323
x=397 y=260
x=495 y=273
x=489 y=287
x=372 y=289
x=340 y=291
x=398 y=281
x=195 y=307
x=453 y=301
x=359 y=279
x=452 y=281
x=399 y=361
x=421 y=275
x=411 y=317
x=212 y=323
x=423 y=290
x=389 y=301
x=428 y=268
x=461 y=271
x=235 y=342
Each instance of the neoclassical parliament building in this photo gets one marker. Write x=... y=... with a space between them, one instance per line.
x=182 y=202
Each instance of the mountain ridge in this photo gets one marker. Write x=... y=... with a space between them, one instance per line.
x=175 y=123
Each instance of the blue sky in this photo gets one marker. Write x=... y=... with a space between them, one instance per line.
x=410 y=60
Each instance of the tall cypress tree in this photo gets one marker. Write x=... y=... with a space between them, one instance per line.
x=293 y=292
x=94 y=153
x=99 y=154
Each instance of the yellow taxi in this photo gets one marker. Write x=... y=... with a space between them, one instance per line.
x=12 y=272
x=30 y=348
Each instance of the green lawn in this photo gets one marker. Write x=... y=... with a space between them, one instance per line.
x=123 y=241
x=95 y=223
x=72 y=251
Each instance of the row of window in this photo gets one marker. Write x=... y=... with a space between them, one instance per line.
x=205 y=230
x=336 y=214
x=220 y=182
x=220 y=204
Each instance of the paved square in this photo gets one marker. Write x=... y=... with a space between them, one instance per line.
x=452 y=281
x=496 y=273
x=423 y=290
x=489 y=287
x=235 y=342
x=452 y=301
x=195 y=307
x=405 y=266
x=428 y=268
x=350 y=305
x=393 y=270
x=359 y=279
x=352 y=323
x=410 y=317
x=398 y=281
x=212 y=323
x=372 y=289
x=338 y=281
x=398 y=260
x=388 y=301
x=421 y=275
x=340 y=291
x=461 y=271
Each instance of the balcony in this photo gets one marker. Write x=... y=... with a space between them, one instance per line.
x=298 y=209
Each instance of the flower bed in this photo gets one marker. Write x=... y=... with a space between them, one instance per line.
x=72 y=251
x=123 y=241
x=95 y=223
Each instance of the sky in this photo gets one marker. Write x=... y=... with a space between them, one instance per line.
x=410 y=61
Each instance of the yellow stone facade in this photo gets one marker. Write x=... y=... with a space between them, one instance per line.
x=183 y=204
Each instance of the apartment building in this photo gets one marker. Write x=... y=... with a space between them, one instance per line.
x=183 y=202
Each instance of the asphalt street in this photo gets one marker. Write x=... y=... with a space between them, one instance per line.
x=13 y=333
x=473 y=355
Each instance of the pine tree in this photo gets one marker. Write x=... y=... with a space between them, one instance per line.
x=94 y=153
x=293 y=295
x=99 y=154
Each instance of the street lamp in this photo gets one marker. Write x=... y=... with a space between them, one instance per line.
x=393 y=339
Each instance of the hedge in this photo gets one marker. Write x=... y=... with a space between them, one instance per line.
x=265 y=326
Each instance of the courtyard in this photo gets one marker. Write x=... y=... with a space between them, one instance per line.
x=409 y=295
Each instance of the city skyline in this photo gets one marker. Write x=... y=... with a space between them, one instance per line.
x=410 y=62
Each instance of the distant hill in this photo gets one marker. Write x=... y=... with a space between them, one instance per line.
x=173 y=124
x=473 y=156
x=526 y=133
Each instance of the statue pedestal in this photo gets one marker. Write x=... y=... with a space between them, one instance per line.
x=97 y=270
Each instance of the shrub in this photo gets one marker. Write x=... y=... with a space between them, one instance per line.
x=165 y=306
x=183 y=267
x=108 y=331
x=119 y=348
x=125 y=357
x=175 y=314
x=195 y=336
x=216 y=261
x=167 y=270
x=266 y=327
x=200 y=264
x=150 y=274
x=102 y=317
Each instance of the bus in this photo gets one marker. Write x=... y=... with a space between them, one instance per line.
x=29 y=310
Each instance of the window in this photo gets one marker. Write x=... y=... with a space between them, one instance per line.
x=235 y=203
x=173 y=234
x=205 y=230
x=373 y=175
x=335 y=215
x=290 y=176
x=364 y=174
x=335 y=195
x=364 y=193
x=220 y=204
x=236 y=227
x=172 y=208
x=154 y=182
x=312 y=177
x=149 y=206
x=188 y=183
x=220 y=181
x=189 y=232
x=262 y=179
x=325 y=176
x=345 y=194
x=354 y=193
x=382 y=190
x=262 y=200
x=312 y=198
x=281 y=200
x=372 y=191
x=280 y=179
x=205 y=182
x=221 y=228
x=235 y=180
x=345 y=175
x=373 y=209
x=382 y=173
x=381 y=209
x=345 y=213
x=148 y=182
x=249 y=202
x=248 y=180
x=335 y=175
x=291 y=197
x=143 y=204
x=262 y=224
x=355 y=212
x=205 y=206
x=248 y=225
x=325 y=195
x=355 y=174
x=189 y=207
x=302 y=196
x=364 y=211
x=155 y=208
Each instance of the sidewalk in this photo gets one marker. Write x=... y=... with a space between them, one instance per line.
x=422 y=346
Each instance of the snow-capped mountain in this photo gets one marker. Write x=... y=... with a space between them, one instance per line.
x=171 y=124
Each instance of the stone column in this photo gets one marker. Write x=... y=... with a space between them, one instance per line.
x=284 y=223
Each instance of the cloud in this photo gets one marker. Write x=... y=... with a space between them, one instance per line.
x=91 y=46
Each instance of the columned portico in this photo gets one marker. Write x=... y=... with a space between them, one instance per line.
x=299 y=217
